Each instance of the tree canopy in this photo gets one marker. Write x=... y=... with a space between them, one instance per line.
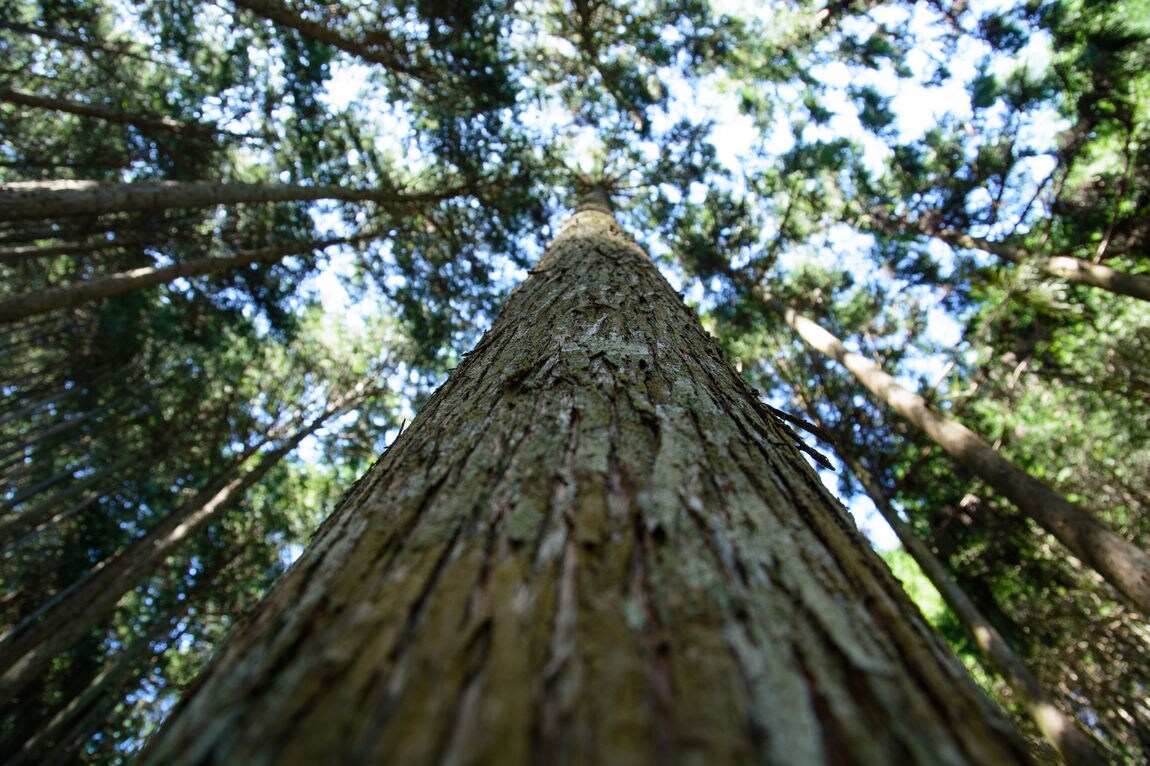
x=242 y=241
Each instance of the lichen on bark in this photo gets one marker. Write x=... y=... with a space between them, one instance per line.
x=593 y=545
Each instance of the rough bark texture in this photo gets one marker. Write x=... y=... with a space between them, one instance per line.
x=593 y=545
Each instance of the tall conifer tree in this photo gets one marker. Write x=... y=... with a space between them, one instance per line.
x=593 y=544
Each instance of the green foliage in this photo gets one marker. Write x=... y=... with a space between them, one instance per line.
x=876 y=213
x=924 y=595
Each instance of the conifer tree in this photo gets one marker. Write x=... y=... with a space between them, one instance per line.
x=593 y=507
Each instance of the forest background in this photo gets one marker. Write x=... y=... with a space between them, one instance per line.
x=227 y=284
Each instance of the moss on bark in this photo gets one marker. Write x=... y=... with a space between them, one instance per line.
x=594 y=545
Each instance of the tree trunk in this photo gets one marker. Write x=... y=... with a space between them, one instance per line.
x=26 y=650
x=1063 y=266
x=26 y=493
x=20 y=443
x=17 y=307
x=593 y=545
x=121 y=48
x=17 y=526
x=57 y=739
x=145 y=121
x=1120 y=562
x=383 y=49
x=21 y=200
x=24 y=253
x=1059 y=729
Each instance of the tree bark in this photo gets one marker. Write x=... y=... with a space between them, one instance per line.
x=1060 y=730
x=594 y=544
x=1120 y=562
x=17 y=307
x=22 y=200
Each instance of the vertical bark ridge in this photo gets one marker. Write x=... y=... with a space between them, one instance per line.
x=594 y=544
